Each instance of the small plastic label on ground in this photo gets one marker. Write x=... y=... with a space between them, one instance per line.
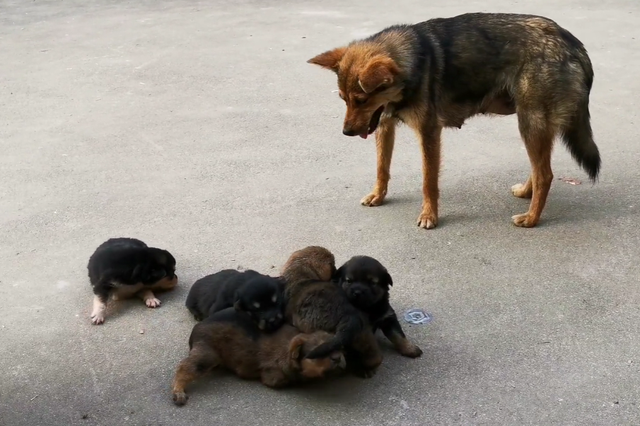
x=417 y=316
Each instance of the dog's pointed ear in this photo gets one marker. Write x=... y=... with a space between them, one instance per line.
x=295 y=347
x=387 y=278
x=329 y=59
x=136 y=275
x=338 y=276
x=380 y=70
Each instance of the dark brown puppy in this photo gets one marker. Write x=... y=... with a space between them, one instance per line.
x=125 y=267
x=261 y=296
x=438 y=73
x=315 y=303
x=231 y=339
x=366 y=283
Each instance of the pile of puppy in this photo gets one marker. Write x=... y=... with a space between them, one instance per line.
x=311 y=322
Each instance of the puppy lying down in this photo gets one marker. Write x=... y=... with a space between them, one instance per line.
x=260 y=296
x=231 y=339
x=127 y=267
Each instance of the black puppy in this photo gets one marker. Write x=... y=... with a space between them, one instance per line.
x=124 y=267
x=261 y=296
x=366 y=283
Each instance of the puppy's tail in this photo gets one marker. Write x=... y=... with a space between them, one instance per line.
x=346 y=331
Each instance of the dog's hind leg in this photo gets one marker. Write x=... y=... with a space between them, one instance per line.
x=200 y=361
x=99 y=308
x=385 y=139
x=538 y=135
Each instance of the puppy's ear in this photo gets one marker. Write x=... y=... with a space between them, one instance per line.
x=295 y=347
x=380 y=70
x=329 y=59
x=387 y=278
x=137 y=273
x=339 y=275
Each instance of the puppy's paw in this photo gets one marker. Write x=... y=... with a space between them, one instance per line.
x=427 y=220
x=524 y=220
x=364 y=373
x=97 y=318
x=373 y=199
x=152 y=302
x=410 y=350
x=180 y=398
x=521 y=191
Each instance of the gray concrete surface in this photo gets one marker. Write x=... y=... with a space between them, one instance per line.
x=198 y=127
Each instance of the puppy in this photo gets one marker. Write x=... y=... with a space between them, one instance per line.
x=261 y=296
x=366 y=283
x=315 y=303
x=230 y=339
x=124 y=267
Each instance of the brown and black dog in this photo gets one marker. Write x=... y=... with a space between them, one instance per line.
x=440 y=72
x=315 y=303
x=231 y=339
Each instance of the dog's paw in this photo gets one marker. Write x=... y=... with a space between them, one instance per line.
x=410 y=350
x=427 y=220
x=373 y=199
x=152 y=302
x=524 y=220
x=97 y=319
x=521 y=191
x=363 y=372
x=180 y=398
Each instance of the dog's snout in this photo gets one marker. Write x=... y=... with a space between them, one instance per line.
x=336 y=357
x=349 y=132
x=357 y=292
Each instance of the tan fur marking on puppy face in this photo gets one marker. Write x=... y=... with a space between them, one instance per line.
x=313 y=368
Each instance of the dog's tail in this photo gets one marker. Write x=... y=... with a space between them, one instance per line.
x=346 y=332
x=577 y=135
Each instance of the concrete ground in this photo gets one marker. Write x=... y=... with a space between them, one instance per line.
x=198 y=127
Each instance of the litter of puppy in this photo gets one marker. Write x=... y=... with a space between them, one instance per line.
x=417 y=316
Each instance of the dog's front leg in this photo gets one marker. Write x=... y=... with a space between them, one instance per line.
x=391 y=328
x=429 y=136
x=385 y=138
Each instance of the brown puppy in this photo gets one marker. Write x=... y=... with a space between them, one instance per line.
x=366 y=283
x=230 y=339
x=438 y=73
x=315 y=303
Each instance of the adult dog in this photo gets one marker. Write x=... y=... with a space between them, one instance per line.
x=440 y=72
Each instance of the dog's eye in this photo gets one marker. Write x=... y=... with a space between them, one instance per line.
x=349 y=280
x=359 y=101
